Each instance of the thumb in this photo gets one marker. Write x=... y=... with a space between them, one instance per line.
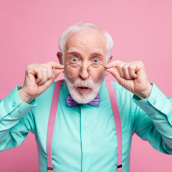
x=56 y=73
x=115 y=73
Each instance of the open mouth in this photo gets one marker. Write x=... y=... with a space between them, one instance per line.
x=83 y=88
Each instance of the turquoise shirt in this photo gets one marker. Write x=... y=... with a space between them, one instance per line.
x=84 y=138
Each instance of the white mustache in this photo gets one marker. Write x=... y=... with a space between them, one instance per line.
x=85 y=83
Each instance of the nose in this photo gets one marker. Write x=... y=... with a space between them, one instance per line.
x=84 y=73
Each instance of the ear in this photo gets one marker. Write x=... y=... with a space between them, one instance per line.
x=59 y=55
x=110 y=59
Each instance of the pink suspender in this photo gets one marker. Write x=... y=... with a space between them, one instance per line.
x=52 y=117
x=51 y=122
x=117 y=120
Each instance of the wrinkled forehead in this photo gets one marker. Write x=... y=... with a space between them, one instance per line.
x=87 y=40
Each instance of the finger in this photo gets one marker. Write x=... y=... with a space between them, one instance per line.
x=119 y=67
x=139 y=65
x=132 y=70
x=55 y=65
x=113 y=64
x=49 y=82
x=38 y=73
x=54 y=76
x=45 y=74
x=56 y=73
x=115 y=73
x=126 y=72
x=31 y=73
x=50 y=72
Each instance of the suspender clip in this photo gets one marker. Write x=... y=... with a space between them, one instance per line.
x=50 y=168
x=119 y=166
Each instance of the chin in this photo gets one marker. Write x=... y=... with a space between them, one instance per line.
x=83 y=91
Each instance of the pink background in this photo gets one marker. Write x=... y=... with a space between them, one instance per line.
x=29 y=33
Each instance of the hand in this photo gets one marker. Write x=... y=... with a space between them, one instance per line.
x=132 y=76
x=38 y=78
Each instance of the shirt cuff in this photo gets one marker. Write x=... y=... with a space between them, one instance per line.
x=14 y=106
x=157 y=101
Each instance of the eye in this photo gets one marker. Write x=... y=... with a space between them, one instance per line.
x=74 y=59
x=95 y=60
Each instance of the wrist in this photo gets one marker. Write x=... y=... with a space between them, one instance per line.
x=146 y=93
x=24 y=97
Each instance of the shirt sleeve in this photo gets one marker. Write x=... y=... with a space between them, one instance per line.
x=16 y=120
x=153 y=120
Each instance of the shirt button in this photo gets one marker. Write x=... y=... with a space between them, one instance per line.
x=20 y=110
x=154 y=102
x=13 y=104
x=147 y=106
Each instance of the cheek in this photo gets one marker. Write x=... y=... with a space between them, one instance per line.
x=95 y=80
x=72 y=80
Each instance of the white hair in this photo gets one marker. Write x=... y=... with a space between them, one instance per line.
x=81 y=26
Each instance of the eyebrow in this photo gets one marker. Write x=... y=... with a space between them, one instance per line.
x=97 y=52
x=80 y=52
x=72 y=50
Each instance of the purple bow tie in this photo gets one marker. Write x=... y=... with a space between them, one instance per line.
x=71 y=102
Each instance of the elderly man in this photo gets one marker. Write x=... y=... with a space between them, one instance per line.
x=84 y=137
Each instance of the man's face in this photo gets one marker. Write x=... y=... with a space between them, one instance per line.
x=84 y=48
